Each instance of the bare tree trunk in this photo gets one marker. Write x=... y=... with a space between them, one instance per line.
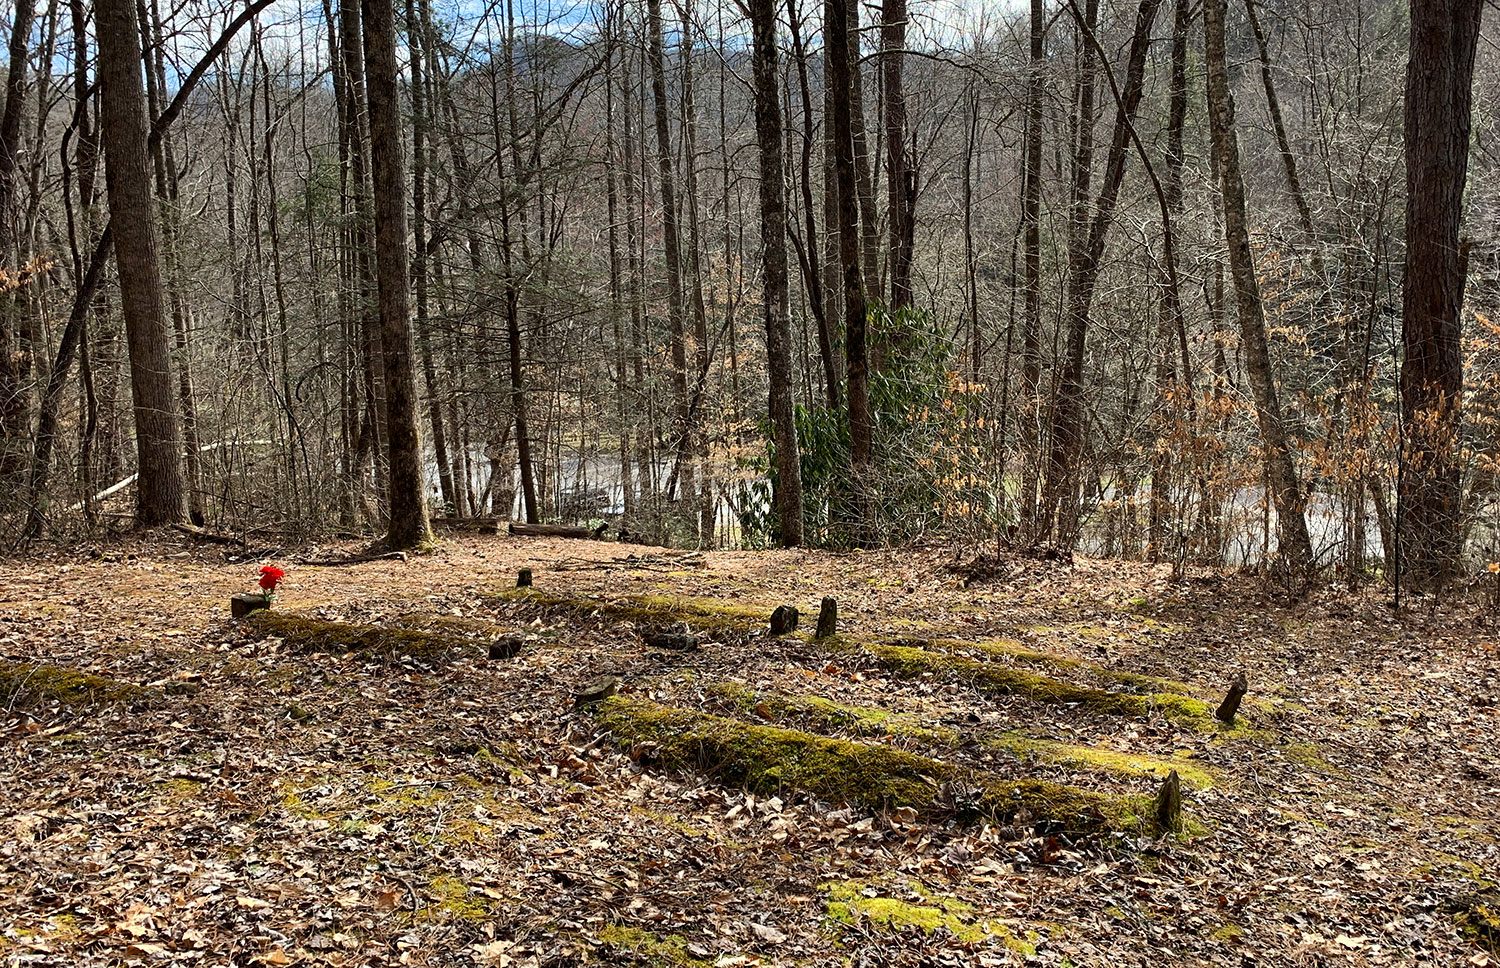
x=13 y=393
x=774 y=259
x=1283 y=143
x=1031 y=209
x=419 y=123
x=1281 y=474
x=861 y=429
x=407 y=492
x=815 y=271
x=673 y=243
x=613 y=23
x=1086 y=253
x=1162 y=464
x=159 y=489
x=901 y=178
x=1439 y=92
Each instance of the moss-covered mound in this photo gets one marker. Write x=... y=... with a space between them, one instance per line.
x=320 y=635
x=706 y=614
x=26 y=684
x=910 y=662
x=1014 y=650
x=765 y=759
x=820 y=714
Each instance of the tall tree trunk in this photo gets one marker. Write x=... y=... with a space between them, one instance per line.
x=1085 y=255
x=159 y=488
x=13 y=393
x=1162 y=464
x=861 y=429
x=1281 y=474
x=671 y=239
x=419 y=124
x=613 y=24
x=773 y=257
x=815 y=270
x=1031 y=210
x=699 y=388
x=1439 y=91
x=407 y=493
x=901 y=189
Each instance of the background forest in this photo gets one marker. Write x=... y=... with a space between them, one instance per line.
x=1054 y=229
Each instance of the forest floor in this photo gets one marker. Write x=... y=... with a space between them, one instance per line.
x=260 y=803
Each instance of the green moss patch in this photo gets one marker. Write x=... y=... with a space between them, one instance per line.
x=1478 y=918
x=825 y=714
x=912 y=663
x=857 y=902
x=765 y=759
x=454 y=901
x=27 y=684
x=668 y=951
x=319 y=635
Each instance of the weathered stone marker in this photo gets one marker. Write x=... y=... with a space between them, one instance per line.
x=1169 y=804
x=784 y=619
x=596 y=691
x=246 y=602
x=506 y=648
x=523 y=578
x=1231 y=703
x=828 y=619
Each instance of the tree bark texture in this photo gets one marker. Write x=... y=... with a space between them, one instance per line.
x=159 y=489
x=408 y=526
x=1439 y=91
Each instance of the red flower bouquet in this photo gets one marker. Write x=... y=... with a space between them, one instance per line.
x=270 y=576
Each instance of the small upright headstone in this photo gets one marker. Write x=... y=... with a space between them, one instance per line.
x=506 y=648
x=246 y=602
x=1169 y=804
x=1231 y=703
x=523 y=578
x=784 y=619
x=828 y=618
x=596 y=691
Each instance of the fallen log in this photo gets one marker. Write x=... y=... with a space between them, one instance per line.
x=556 y=531
x=480 y=525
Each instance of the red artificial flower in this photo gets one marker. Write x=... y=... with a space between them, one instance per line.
x=269 y=576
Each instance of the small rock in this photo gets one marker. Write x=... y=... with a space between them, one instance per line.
x=672 y=641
